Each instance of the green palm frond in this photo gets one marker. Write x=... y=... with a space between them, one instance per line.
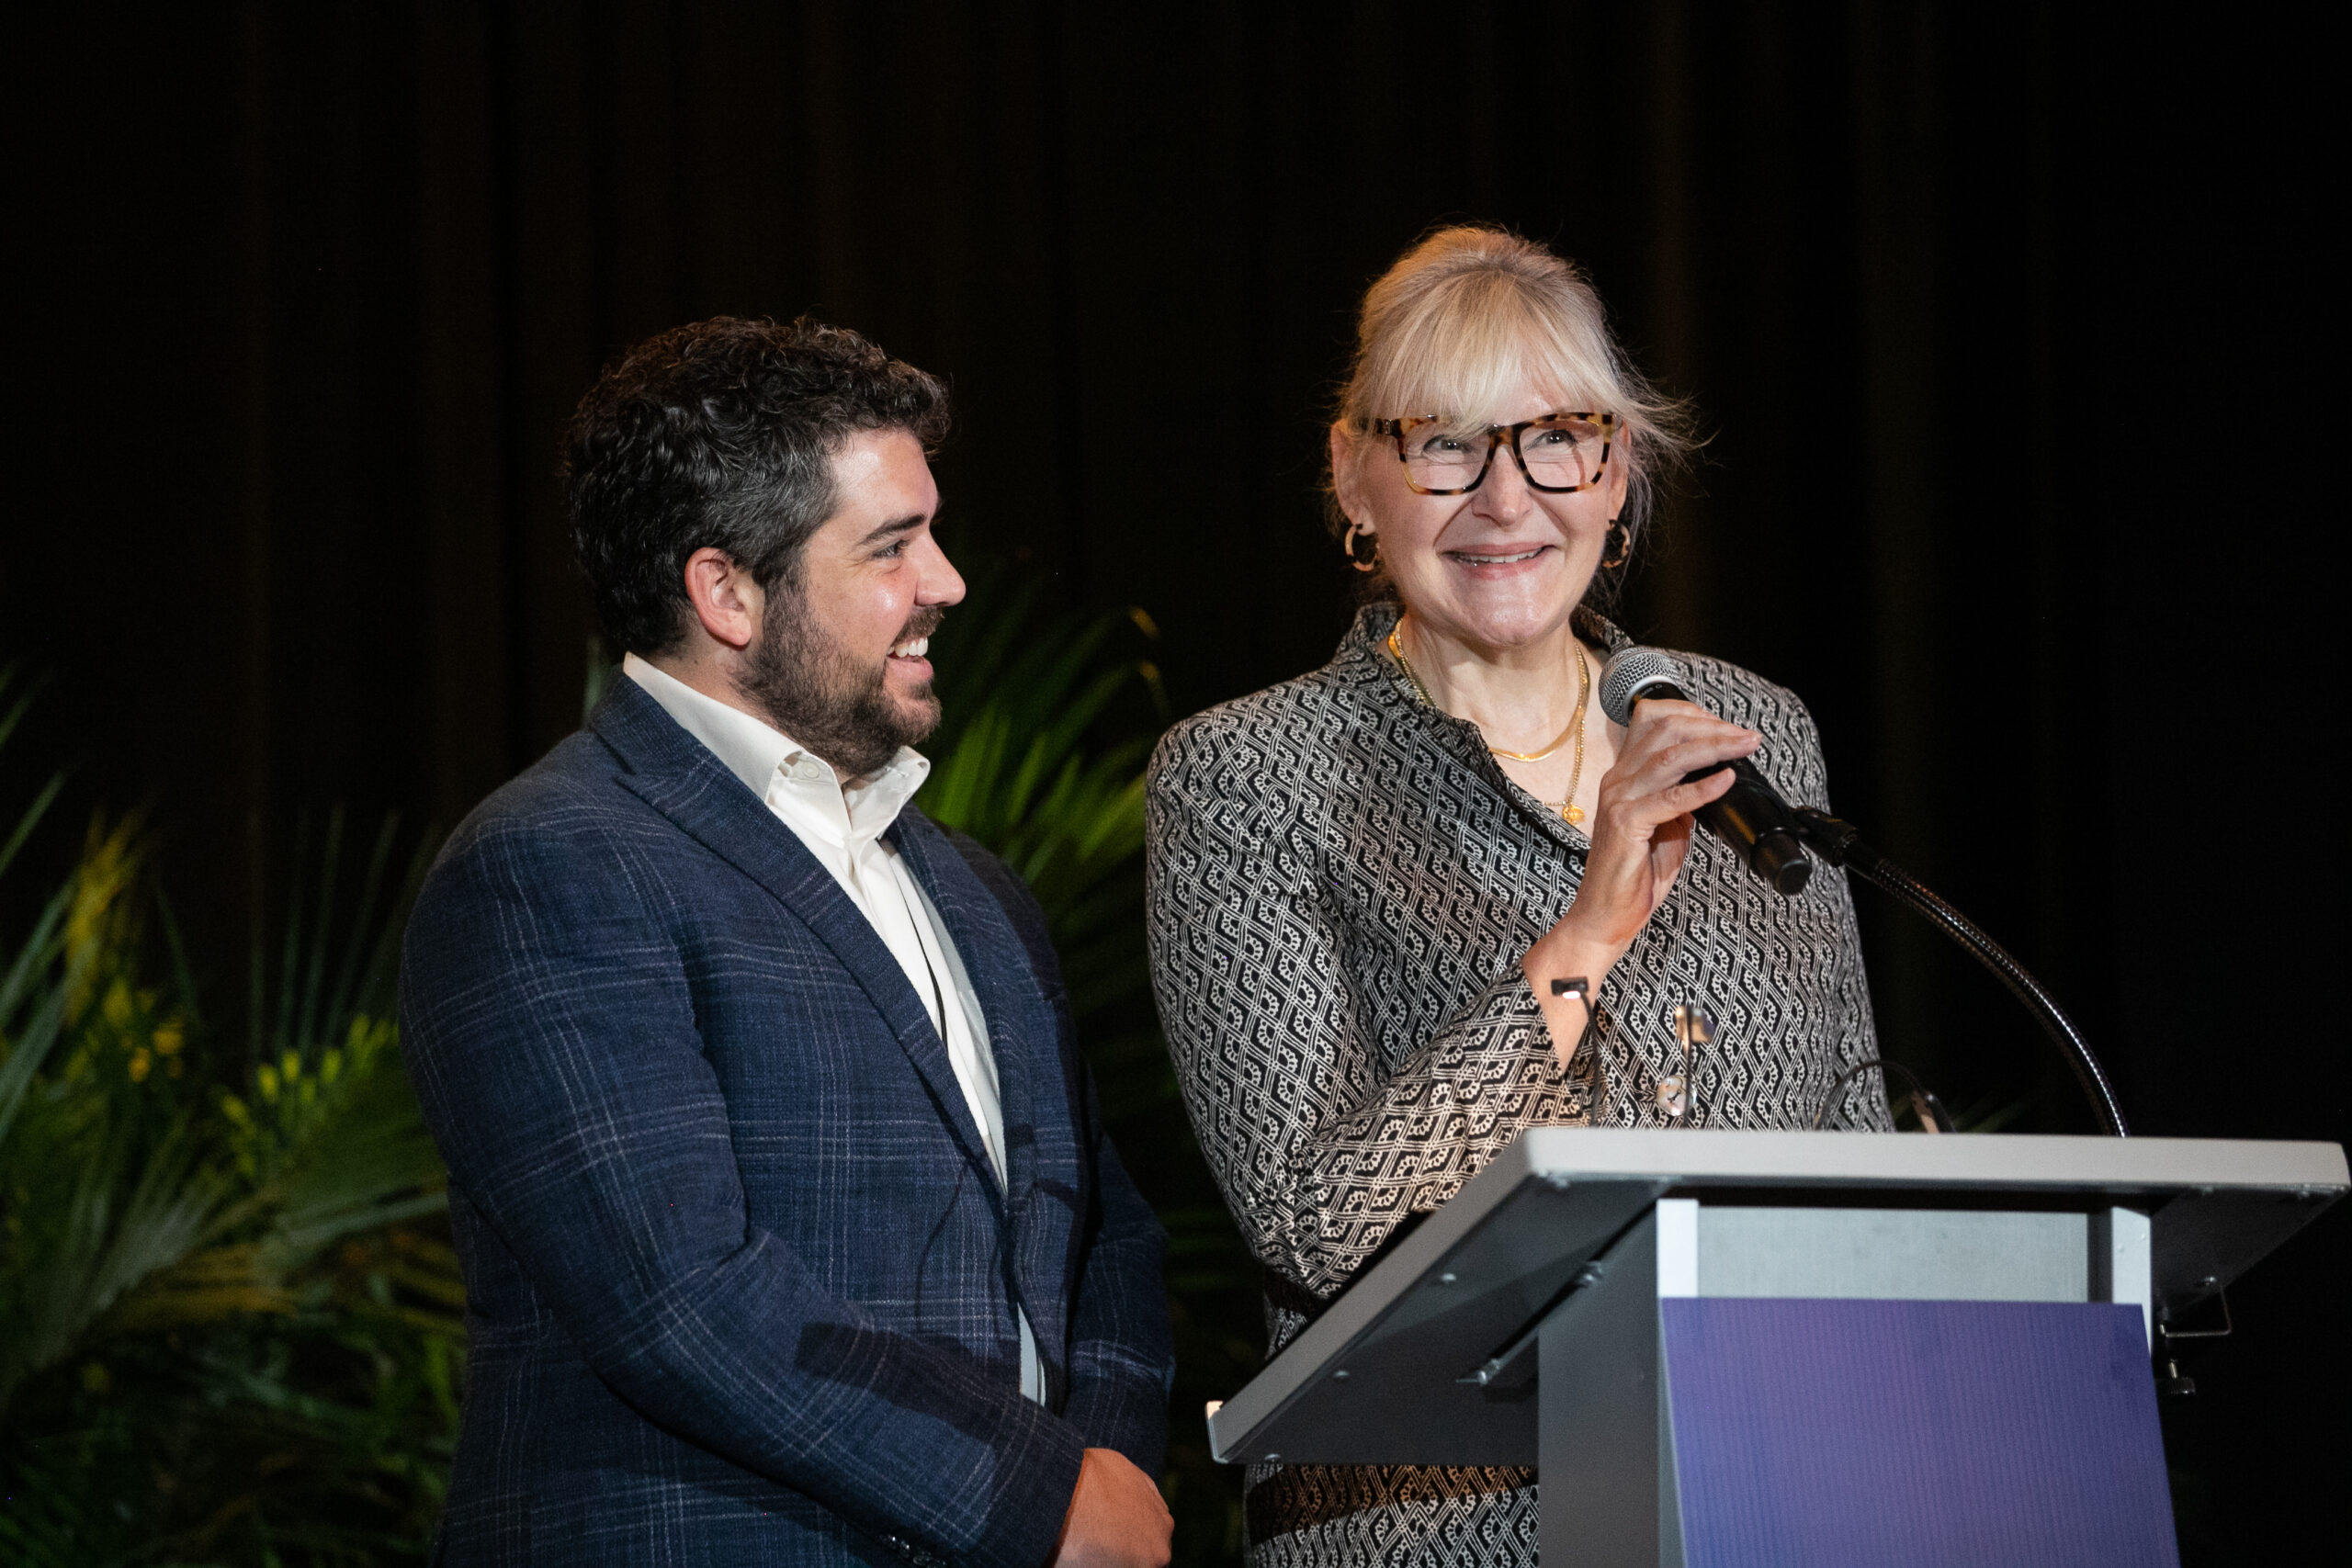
x=32 y=1005
x=46 y=1523
x=120 y=1227
x=228 y=1332
x=99 y=1197
x=337 y=959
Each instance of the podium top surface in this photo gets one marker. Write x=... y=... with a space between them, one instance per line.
x=1477 y=1272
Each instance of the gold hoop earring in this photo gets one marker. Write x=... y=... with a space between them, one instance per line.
x=1619 y=545
x=1367 y=557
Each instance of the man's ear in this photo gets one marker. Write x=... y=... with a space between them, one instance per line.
x=728 y=603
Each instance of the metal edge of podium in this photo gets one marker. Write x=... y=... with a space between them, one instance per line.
x=1358 y=1309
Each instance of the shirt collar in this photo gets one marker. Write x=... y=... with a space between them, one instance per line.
x=779 y=770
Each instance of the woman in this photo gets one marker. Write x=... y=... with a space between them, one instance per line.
x=1365 y=880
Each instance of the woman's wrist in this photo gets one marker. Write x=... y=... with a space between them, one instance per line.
x=1564 y=968
x=1566 y=953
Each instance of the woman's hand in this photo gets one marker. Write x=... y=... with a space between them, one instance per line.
x=1640 y=833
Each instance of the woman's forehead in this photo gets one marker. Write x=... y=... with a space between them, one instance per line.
x=1492 y=399
x=1487 y=372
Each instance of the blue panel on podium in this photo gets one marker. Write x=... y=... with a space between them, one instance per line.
x=1830 y=1433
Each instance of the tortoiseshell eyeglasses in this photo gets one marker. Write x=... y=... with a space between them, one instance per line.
x=1560 y=453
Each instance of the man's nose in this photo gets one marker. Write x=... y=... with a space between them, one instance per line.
x=942 y=583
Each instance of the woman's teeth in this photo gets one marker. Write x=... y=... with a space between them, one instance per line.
x=914 y=649
x=1497 y=561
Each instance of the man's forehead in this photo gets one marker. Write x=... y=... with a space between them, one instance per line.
x=850 y=446
x=882 y=482
x=880 y=456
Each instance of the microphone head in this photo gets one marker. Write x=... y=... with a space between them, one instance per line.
x=1622 y=678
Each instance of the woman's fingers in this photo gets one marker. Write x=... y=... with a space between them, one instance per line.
x=1684 y=743
x=1670 y=846
x=1656 y=792
x=1681 y=799
x=1641 y=835
x=1642 y=829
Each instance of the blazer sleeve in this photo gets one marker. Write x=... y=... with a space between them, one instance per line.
x=551 y=1034
x=1122 y=1358
x=1320 y=1149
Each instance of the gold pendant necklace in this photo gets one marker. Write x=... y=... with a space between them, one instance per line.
x=1570 y=812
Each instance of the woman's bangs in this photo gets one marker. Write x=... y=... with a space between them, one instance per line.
x=1469 y=357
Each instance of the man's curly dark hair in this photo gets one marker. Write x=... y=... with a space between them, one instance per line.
x=720 y=434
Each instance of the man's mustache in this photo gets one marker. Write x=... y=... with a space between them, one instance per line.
x=922 y=623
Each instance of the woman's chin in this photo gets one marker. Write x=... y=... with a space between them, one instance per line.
x=1502 y=613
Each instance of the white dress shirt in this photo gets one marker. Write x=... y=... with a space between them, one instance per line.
x=844 y=828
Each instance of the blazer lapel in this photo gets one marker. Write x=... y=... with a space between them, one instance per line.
x=676 y=774
x=1008 y=997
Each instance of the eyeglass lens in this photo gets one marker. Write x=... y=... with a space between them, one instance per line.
x=1560 y=453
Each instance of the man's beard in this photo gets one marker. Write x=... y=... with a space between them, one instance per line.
x=817 y=693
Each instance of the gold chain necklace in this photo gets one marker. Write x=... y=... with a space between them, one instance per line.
x=1569 y=810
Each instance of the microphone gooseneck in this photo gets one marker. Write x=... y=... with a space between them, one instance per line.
x=1837 y=843
x=1750 y=816
x=1757 y=821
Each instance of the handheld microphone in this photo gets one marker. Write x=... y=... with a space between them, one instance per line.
x=1750 y=817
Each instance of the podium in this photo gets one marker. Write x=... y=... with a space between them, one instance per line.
x=1821 y=1347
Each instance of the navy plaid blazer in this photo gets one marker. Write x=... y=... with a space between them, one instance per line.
x=739 y=1277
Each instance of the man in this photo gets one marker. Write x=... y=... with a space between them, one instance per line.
x=789 y=1236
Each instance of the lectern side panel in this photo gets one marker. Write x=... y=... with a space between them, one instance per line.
x=1597 y=1399
x=2204 y=1239
x=1399 y=1379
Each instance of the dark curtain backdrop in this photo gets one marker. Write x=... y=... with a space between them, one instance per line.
x=2014 y=328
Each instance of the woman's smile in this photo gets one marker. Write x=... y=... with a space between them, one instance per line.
x=1500 y=561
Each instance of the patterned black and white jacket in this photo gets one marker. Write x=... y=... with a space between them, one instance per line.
x=1341 y=884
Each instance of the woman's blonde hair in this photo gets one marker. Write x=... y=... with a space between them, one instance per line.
x=1471 y=313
